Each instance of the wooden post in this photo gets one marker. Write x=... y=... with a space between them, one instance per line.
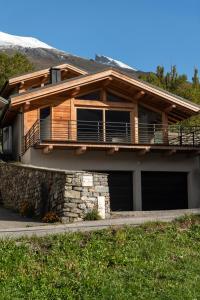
x=165 y=128
x=135 y=126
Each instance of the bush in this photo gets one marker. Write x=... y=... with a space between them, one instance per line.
x=51 y=217
x=26 y=209
x=92 y=215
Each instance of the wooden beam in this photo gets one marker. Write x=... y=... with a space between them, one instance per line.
x=138 y=95
x=21 y=87
x=170 y=152
x=113 y=150
x=81 y=150
x=48 y=149
x=107 y=82
x=144 y=151
x=75 y=92
x=43 y=80
x=168 y=109
x=27 y=105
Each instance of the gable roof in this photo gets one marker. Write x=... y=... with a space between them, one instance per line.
x=15 y=80
x=99 y=76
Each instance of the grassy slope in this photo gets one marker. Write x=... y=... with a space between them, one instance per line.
x=154 y=261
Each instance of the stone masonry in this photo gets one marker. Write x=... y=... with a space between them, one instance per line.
x=70 y=194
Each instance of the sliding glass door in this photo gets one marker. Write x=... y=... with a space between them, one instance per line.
x=117 y=126
x=90 y=125
x=110 y=126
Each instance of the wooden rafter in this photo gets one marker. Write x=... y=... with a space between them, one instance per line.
x=113 y=150
x=81 y=150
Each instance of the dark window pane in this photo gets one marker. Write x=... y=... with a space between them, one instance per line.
x=45 y=126
x=44 y=112
x=118 y=129
x=90 y=125
x=114 y=98
x=91 y=96
x=150 y=128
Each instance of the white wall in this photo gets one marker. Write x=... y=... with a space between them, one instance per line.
x=123 y=161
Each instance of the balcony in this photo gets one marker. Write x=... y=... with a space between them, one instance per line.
x=111 y=134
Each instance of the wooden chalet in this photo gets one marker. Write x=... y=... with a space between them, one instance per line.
x=100 y=114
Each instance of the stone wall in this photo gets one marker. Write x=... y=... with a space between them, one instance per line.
x=70 y=194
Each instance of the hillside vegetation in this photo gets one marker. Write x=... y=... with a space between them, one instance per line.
x=11 y=65
x=177 y=84
x=154 y=261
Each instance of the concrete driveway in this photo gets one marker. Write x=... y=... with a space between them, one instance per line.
x=14 y=226
x=10 y=219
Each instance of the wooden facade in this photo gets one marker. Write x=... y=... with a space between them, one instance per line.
x=103 y=92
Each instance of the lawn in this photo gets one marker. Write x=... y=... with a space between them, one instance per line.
x=153 y=261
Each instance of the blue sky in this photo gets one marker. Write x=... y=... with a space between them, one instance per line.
x=141 y=33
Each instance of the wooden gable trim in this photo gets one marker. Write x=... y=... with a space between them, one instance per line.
x=39 y=73
x=145 y=87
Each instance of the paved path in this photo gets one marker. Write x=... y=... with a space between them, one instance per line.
x=10 y=219
x=137 y=219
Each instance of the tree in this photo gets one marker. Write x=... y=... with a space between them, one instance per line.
x=160 y=73
x=195 y=78
x=13 y=65
x=177 y=84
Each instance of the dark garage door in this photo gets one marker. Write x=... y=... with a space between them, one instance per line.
x=121 y=190
x=164 y=190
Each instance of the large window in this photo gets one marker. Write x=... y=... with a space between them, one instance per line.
x=45 y=125
x=150 y=128
x=117 y=126
x=111 y=126
x=90 y=125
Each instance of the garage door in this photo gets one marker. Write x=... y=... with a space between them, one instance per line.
x=164 y=190
x=121 y=190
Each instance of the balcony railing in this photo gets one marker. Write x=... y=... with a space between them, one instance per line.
x=46 y=131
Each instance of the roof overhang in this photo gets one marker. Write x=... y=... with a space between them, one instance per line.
x=12 y=82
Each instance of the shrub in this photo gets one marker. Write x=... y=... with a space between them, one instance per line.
x=26 y=209
x=51 y=217
x=92 y=215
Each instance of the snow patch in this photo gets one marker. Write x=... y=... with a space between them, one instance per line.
x=26 y=42
x=112 y=62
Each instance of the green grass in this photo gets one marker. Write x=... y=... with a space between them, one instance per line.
x=153 y=261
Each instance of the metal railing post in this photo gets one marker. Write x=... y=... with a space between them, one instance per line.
x=181 y=136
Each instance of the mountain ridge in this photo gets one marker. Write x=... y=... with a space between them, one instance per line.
x=43 y=55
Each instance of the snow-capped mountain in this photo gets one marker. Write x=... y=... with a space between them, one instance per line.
x=9 y=40
x=112 y=62
x=43 y=55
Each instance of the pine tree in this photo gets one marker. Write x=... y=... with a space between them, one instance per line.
x=13 y=65
x=195 y=78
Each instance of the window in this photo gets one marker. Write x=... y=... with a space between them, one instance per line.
x=96 y=95
x=150 y=128
x=45 y=126
x=115 y=129
x=90 y=125
x=118 y=126
x=114 y=98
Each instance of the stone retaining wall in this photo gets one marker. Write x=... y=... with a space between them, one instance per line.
x=70 y=194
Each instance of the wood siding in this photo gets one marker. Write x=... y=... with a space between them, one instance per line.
x=30 y=117
x=61 y=115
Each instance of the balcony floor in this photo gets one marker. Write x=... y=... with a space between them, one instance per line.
x=72 y=145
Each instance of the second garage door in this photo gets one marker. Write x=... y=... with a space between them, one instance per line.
x=164 y=190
